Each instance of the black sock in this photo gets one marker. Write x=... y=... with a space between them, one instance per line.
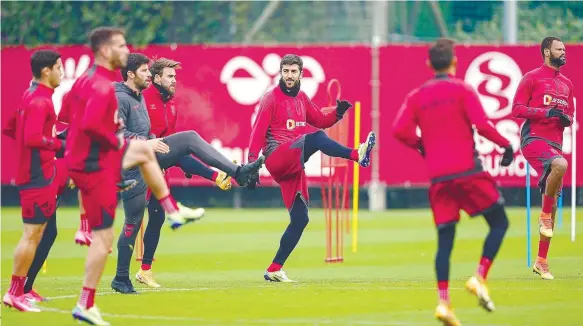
x=191 y=165
x=445 y=238
x=42 y=252
x=319 y=141
x=498 y=222
x=298 y=222
x=156 y=217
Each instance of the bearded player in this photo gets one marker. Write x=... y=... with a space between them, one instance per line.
x=97 y=153
x=544 y=98
x=280 y=131
x=40 y=177
x=445 y=108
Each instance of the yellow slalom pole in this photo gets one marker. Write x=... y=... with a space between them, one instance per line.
x=355 y=179
x=45 y=267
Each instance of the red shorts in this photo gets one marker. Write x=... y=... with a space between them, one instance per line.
x=99 y=191
x=286 y=166
x=539 y=155
x=475 y=194
x=39 y=204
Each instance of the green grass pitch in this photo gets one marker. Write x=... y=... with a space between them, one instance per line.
x=212 y=274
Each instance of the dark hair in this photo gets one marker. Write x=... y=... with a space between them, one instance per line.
x=102 y=35
x=291 y=59
x=546 y=44
x=135 y=61
x=43 y=59
x=158 y=66
x=441 y=54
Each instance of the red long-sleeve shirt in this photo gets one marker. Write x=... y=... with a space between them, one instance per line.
x=92 y=112
x=162 y=112
x=445 y=108
x=31 y=125
x=282 y=118
x=539 y=91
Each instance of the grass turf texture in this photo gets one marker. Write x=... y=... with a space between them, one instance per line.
x=211 y=274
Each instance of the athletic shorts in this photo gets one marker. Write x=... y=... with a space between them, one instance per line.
x=99 y=191
x=475 y=194
x=286 y=167
x=39 y=204
x=539 y=155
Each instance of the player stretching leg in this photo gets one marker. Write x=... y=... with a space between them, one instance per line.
x=40 y=178
x=133 y=112
x=280 y=131
x=458 y=181
x=544 y=98
x=97 y=154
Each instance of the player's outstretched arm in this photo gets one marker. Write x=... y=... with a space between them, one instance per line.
x=34 y=119
x=259 y=130
x=520 y=108
x=405 y=125
x=319 y=119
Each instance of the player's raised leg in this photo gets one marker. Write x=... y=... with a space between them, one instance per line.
x=319 y=141
x=191 y=165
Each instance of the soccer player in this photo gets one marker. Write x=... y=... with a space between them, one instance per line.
x=97 y=153
x=183 y=147
x=40 y=177
x=133 y=112
x=544 y=98
x=280 y=131
x=445 y=108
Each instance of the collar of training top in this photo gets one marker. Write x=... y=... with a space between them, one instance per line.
x=166 y=96
x=102 y=71
x=443 y=76
x=289 y=91
x=550 y=70
x=42 y=87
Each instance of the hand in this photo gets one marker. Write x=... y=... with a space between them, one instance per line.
x=71 y=184
x=342 y=107
x=556 y=113
x=508 y=156
x=159 y=146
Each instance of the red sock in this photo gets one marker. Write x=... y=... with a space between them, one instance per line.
x=274 y=267
x=17 y=285
x=484 y=267
x=354 y=155
x=543 y=248
x=146 y=267
x=215 y=176
x=87 y=299
x=443 y=289
x=168 y=204
x=548 y=203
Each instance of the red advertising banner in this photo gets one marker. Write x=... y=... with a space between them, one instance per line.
x=219 y=88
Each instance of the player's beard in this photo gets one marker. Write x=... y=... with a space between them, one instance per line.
x=558 y=61
x=293 y=91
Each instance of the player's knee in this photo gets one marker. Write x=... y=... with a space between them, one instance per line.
x=559 y=165
x=497 y=219
x=192 y=136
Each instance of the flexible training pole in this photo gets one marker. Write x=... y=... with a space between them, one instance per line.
x=355 y=179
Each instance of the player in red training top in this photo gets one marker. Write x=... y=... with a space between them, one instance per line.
x=96 y=153
x=40 y=177
x=458 y=181
x=280 y=131
x=545 y=99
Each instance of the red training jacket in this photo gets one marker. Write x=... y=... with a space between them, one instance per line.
x=162 y=112
x=91 y=107
x=445 y=108
x=282 y=118
x=539 y=91
x=31 y=125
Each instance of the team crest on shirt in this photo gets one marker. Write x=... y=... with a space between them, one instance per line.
x=152 y=106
